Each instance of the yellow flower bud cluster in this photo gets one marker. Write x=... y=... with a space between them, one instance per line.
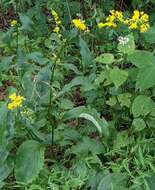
x=79 y=24
x=16 y=101
x=14 y=22
x=139 y=20
x=57 y=21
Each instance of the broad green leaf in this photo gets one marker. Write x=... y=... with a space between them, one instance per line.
x=146 y=77
x=106 y=58
x=129 y=47
x=37 y=57
x=66 y=104
x=6 y=168
x=118 y=76
x=43 y=77
x=29 y=161
x=103 y=77
x=150 y=34
x=3 y=121
x=138 y=124
x=142 y=105
x=151 y=181
x=85 y=53
x=89 y=114
x=26 y=22
x=80 y=80
x=71 y=67
x=92 y=119
x=4 y=153
x=142 y=58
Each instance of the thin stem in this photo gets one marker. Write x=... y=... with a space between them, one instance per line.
x=51 y=93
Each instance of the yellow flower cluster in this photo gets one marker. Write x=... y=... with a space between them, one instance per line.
x=57 y=21
x=112 y=19
x=79 y=24
x=13 y=22
x=139 y=20
x=16 y=101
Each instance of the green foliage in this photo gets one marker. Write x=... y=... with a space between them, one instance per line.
x=29 y=161
x=87 y=117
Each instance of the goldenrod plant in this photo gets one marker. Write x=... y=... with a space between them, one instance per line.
x=77 y=95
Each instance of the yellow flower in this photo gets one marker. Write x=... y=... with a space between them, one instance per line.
x=107 y=24
x=100 y=24
x=54 y=13
x=133 y=25
x=13 y=22
x=16 y=101
x=145 y=17
x=136 y=15
x=139 y=20
x=79 y=24
x=56 y=29
x=144 y=27
x=57 y=21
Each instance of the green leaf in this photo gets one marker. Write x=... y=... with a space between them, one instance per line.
x=150 y=35
x=113 y=181
x=6 y=168
x=88 y=114
x=139 y=124
x=142 y=58
x=124 y=99
x=106 y=58
x=118 y=76
x=5 y=63
x=129 y=47
x=145 y=61
x=87 y=145
x=3 y=121
x=26 y=22
x=85 y=53
x=142 y=105
x=80 y=80
x=112 y=101
x=29 y=161
x=146 y=77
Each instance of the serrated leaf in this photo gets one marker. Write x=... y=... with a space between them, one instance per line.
x=142 y=105
x=118 y=76
x=29 y=161
x=106 y=58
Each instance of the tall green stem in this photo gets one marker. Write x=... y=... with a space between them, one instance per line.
x=51 y=95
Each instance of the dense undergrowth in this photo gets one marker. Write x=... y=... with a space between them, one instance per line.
x=77 y=95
